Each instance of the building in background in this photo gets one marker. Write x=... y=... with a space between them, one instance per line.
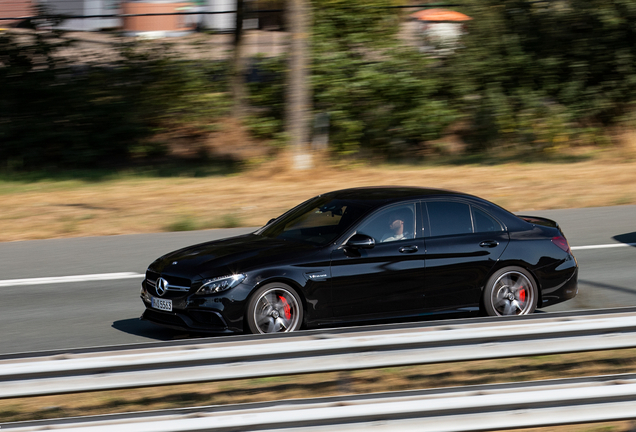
x=159 y=25
x=222 y=19
x=218 y=21
x=441 y=29
x=84 y=8
x=14 y=8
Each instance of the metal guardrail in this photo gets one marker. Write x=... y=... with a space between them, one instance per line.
x=313 y=352
x=473 y=408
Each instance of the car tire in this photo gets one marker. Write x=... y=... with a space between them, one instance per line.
x=510 y=291
x=274 y=308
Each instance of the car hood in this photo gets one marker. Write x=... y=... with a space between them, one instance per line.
x=228 y=256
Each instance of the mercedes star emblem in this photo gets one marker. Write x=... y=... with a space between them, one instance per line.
x=162 y=286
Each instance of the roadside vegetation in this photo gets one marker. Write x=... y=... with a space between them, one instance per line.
x=76 y=203
x=533 y=110
x=528 y=78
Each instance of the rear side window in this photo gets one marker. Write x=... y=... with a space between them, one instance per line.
x=484 y=222
x=449 y=218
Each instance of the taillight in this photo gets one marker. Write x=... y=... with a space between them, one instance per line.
x=562 y=243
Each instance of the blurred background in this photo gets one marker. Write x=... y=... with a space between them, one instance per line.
x=207 y=87
x=93 y=82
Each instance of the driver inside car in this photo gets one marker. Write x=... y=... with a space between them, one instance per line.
x=396 y=227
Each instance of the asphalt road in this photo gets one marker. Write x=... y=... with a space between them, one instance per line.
x=59 y=315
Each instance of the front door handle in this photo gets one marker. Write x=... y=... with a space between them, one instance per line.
x=408 y=249
x=489 y=244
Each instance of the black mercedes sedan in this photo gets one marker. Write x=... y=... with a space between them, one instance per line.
x=362 y=255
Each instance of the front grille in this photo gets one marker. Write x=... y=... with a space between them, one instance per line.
x=172 y=280
x=177 y=281
x=153 y=276
x=176 y=284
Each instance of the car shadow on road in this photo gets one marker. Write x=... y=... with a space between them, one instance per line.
x=627 y=238
x=138 y=327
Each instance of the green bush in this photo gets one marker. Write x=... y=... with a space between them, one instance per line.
x=53 y=114
x=543 y=74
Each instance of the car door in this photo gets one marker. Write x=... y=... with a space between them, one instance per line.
x=463 y=243
x=385 y=281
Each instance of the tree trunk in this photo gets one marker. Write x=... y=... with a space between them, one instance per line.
x=298 y=93
x=238 y=66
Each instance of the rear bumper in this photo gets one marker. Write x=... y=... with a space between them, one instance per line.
x=562 y=292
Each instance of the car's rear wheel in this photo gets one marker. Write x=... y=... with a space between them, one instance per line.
x=510 y=291
x=274 y=308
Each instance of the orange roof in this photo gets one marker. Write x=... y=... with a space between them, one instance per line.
x=440 y=15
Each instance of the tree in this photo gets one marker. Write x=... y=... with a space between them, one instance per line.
x=298 y=95
x=540 y=75
x=382 y=95
x=239 y=93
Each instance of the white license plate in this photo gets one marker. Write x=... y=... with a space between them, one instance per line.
x=161 y=304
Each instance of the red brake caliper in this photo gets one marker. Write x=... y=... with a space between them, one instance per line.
x=286 y=307
x=522 y=294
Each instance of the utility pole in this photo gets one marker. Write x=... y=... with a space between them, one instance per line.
x=298 y=106
x=238 y=66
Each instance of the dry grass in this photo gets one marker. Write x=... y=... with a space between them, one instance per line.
x=135 y=204
x=329 y=384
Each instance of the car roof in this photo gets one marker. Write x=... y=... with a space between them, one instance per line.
x=391 y=193
x=378 y=196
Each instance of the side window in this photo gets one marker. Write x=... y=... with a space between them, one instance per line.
x=392 y=224
x=449 y=218
x=484 y=222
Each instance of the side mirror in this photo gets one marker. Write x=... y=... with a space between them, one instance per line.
x=361 y=241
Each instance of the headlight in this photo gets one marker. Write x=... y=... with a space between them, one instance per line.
x=216 y=285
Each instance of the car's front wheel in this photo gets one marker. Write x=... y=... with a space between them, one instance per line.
x=510 y=291
x=274 y=308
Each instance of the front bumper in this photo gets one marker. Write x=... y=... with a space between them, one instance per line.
x=219 y=314
x=195 y=320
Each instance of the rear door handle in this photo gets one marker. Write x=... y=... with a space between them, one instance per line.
x=408 y=249
x=489 y=244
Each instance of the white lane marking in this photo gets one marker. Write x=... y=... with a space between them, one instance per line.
x=67 y=279
x=604 y=246
x=131 y=275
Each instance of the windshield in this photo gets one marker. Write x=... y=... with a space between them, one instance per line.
x=318 y=221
